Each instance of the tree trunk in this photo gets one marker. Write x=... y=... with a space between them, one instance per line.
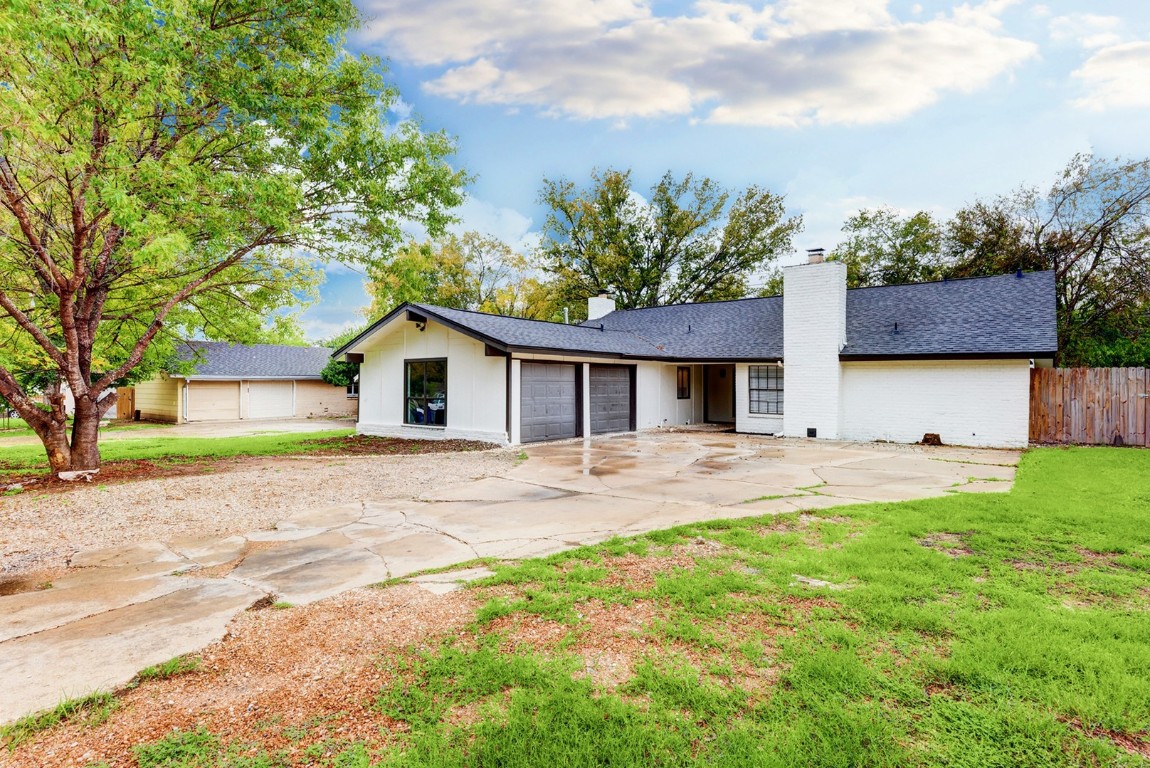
x=85 y=449
x=56 y=445
x=81 y=452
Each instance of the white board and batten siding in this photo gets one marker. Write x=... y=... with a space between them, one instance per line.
x=476 y=385
x=982 y=403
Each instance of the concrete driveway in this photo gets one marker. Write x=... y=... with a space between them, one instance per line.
x=129 y=607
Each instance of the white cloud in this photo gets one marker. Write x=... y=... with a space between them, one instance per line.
x=1086 y=29
x=506 y=224
x=316 y=330
x=787 y=63
x=1115 y=76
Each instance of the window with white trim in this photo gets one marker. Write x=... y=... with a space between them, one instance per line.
x=766 y=389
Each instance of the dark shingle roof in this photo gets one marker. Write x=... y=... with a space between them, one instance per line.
x=219 y=359
x=1001 y=316
x=536 y=334
x=721 y=330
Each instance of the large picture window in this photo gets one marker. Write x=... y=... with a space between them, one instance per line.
x=426 y=392
x=766 y=389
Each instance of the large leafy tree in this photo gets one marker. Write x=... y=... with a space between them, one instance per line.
x=1092 y=227
x=469 y=271
x=171 y=167
x=884 y=248
x=690 y=240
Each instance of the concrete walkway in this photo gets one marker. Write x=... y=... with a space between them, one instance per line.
x=129 y=607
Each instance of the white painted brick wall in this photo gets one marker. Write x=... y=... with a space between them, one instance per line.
x=967 y=402
x=814 y=329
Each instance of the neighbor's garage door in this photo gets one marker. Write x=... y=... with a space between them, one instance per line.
x=270 y=400
x=610 y=398
x=548 y=398
x=213 y=400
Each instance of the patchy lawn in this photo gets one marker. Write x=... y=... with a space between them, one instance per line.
x=18 y=428
x=172 y=456
x=973 y=630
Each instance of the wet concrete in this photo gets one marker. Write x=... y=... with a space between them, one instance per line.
x=141 y=604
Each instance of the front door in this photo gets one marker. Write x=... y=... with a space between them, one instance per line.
x=719 y=394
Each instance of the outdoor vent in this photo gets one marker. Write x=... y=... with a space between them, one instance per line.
x=816 y=255
x=812 y=432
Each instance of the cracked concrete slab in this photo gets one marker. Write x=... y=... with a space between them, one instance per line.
x=106 y=650
x=314 y=579
x=420 y=551
x=442 y=583
x=207 y=551
x=264 y=563
x=33 y=612
x=125 y=610
x=130 y=554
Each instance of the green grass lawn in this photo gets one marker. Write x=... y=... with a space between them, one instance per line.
x=23 y=459
x=971 y=630
x=19 y=428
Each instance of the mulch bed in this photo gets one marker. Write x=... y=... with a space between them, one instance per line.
x=130 y=470
x=366 y=445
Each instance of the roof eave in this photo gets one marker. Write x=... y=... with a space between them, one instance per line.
x=1014 y=355
x=245 y=377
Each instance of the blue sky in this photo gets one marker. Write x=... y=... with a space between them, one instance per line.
x=837 y=104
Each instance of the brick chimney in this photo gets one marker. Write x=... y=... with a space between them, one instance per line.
x=814 y=332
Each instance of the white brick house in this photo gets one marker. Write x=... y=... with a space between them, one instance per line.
x=890 y=363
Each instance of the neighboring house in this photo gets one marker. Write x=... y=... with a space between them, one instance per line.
x=888 y=363
x=232 y=382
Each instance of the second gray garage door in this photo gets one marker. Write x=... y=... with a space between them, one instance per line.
x=548 y=402
x=610 y=399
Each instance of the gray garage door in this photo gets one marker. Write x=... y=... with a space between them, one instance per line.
x=610 y=398
x=548 y=402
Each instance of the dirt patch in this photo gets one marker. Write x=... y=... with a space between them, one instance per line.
x=279 y=680
x=1134 y=744
x=949 y=544
x=367 y=445
x=1088 y=559
x=637 y=573
x=29 y=582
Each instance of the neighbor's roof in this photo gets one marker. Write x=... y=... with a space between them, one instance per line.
x=1002 y=316
x=221 y=360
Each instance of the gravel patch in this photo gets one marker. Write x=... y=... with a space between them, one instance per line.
x=43 y=531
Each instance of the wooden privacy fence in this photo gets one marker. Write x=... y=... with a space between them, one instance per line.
x=1090 y=406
